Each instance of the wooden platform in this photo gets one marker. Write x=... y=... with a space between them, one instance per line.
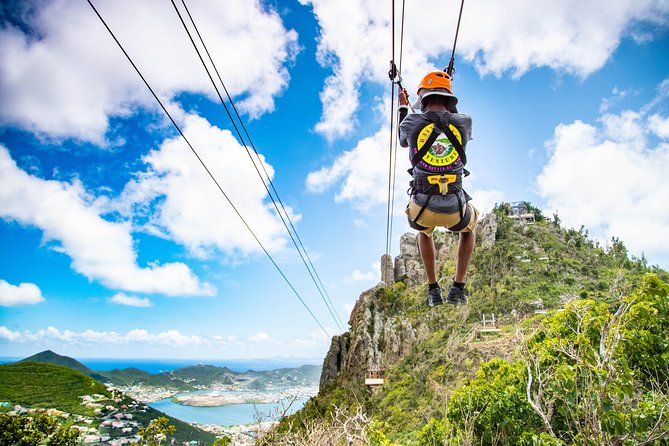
x=374 y=381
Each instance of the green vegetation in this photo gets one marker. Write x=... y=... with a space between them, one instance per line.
x=157 y=431
x=34 y=384
x=21 y=430
x=595 y=367
x=133 y=376
x=53 y=358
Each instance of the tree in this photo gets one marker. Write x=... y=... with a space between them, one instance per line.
x=596 y=376
x=223 y=441
x=23 y=430
x=156 y=432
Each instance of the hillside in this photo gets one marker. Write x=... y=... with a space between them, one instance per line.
x=34 y=384
x=47 y=386
x=202 y=376
x=448 y=383
x=50 y=357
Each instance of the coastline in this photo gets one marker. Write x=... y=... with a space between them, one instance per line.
x=212 y=400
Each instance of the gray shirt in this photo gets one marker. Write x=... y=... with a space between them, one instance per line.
x=438 y=203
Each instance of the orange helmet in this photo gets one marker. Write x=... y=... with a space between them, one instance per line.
x=436 y=79
x=436 y=83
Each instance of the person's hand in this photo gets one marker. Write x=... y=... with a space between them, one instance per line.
x=403 y=97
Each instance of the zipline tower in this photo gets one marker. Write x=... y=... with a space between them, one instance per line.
x=521 y=213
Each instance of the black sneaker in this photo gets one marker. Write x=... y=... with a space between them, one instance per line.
x=456 y=296
x=434 y=297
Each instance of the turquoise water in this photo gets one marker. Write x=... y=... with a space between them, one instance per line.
x=230 y=415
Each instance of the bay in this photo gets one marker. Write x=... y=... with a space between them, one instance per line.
x=228 y=415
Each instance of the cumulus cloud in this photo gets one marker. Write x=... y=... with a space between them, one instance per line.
x=496 y=36
x=100 y=249
x=22 y=294
x=659 y=126
x=142 y=341
x=361 y=173
x=9 y=335
x=131 y=301
x=178 y=200
x=360 y=176
x=66 y=77
x=372 y=275
x=93 y=337
x=611 y=178
x=260 y=338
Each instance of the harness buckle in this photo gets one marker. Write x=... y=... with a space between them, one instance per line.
x=442 y=181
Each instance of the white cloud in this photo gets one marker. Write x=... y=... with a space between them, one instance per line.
x=6 y=333
x=100 y=249
x=316 y=339
x=659 y=125
x=360 y=176
x=23 y=294
x=484 y=200
x=496 y=36
x=181 y=202
x=363 y=173
x=141 y=341
x=71 y=79
x=260 y=338
x=372 y=275
x=607 y=178
x=131 y=301
x=92 y=337
x=359 y=276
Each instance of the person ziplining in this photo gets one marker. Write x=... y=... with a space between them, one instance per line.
x=437 y=138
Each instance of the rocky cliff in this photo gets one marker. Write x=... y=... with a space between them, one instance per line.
x=376 y=340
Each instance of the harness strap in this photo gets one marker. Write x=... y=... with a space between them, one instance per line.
x=423 y=150
x=444 y=126
x=429 y=197
x=465 y=217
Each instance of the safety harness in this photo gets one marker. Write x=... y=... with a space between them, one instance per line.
x=438 y=184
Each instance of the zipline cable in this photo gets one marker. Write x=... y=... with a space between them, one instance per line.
x=206 y=168
x=395 y=139
x=451 y=63
x=392 y=122
x=265 y=180
x=395 y=78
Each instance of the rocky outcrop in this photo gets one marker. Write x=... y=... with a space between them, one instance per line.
x=376 y=340
x=486 y=230
x=408 y=265
x=387 y=274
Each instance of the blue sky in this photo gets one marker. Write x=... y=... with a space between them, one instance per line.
x=115 y=243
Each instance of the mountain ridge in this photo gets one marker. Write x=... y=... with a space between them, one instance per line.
x=528 y=275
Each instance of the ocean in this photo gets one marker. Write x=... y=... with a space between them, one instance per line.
x=165 y=365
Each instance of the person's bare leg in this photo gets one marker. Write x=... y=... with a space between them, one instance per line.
x=465 y=249
x=427 y=252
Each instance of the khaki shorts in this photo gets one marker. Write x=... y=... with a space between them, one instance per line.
x=430 y=219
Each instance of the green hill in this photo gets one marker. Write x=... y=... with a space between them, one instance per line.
x=134 y=376
x=35 y=384
x=203 y=374
x=50 y=357
x=598 y=358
